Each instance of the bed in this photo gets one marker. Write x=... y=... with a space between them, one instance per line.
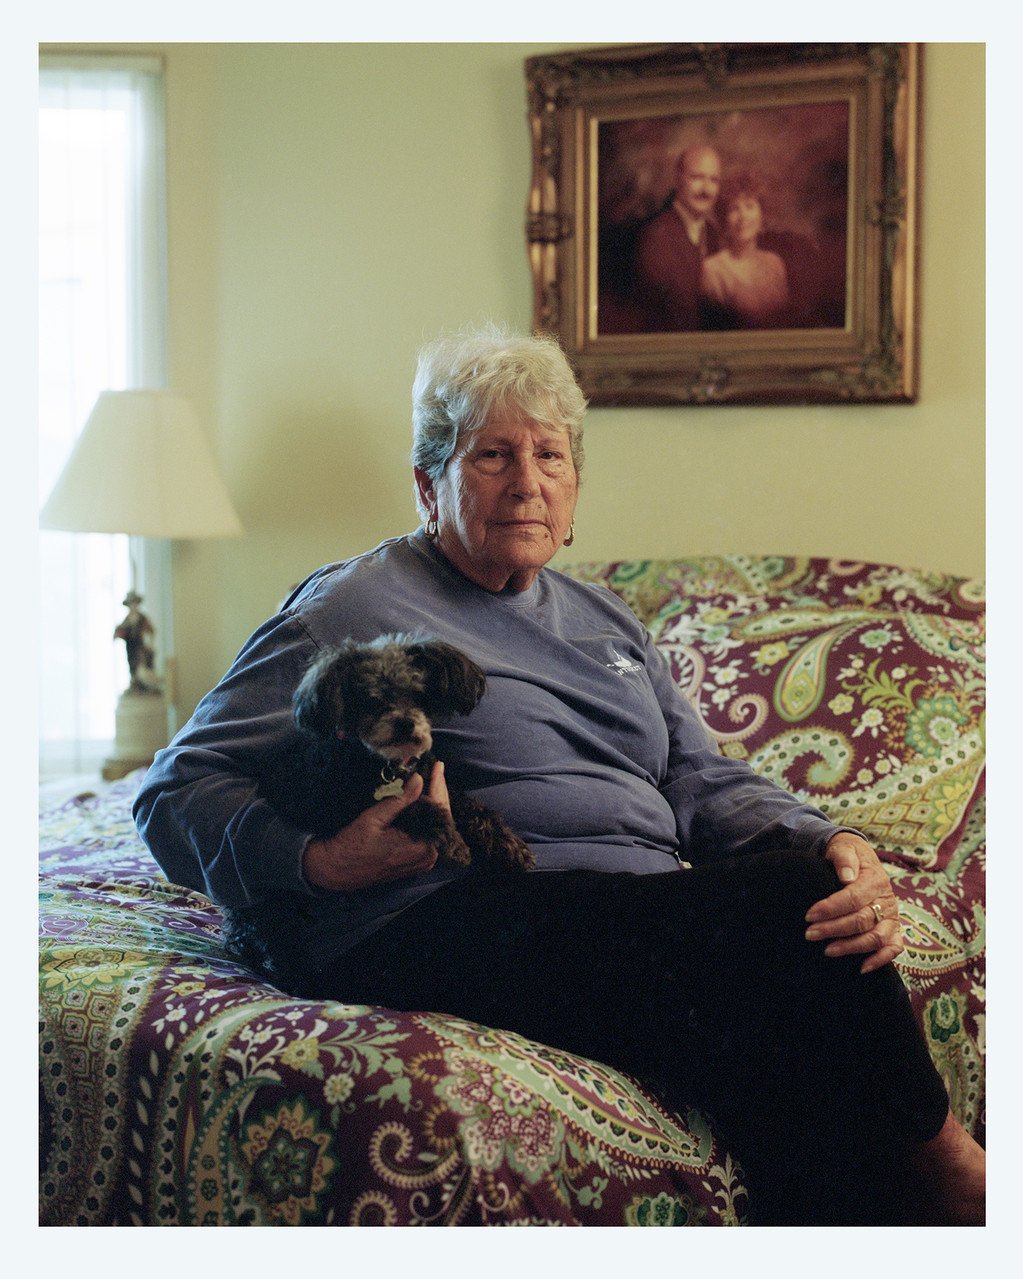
x=178 y=1089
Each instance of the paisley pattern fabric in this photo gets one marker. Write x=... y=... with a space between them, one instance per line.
x=177 y=1089
x=858 y=687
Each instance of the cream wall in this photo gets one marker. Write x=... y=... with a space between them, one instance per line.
x=331 y=206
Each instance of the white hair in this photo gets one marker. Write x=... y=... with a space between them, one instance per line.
x=462 y=381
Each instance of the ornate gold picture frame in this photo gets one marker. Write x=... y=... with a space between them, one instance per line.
x=727 y=224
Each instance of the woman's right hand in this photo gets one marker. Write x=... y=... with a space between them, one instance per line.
x=369 y=850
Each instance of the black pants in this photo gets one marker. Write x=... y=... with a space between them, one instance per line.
x=702 y=985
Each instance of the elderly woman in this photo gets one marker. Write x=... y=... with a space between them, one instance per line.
x=665 y=929
x=743 y=285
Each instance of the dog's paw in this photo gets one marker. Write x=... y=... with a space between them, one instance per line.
x=492 y=840
x=453 y=848
x=431 y=824
x=519 y=854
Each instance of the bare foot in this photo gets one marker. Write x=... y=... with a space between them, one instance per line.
x=953 y=1169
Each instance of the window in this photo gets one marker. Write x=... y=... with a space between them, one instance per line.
x=101 y=326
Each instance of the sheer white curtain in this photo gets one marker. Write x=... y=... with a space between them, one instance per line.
x=101 y=326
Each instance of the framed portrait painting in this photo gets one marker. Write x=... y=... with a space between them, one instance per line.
x=732 y=223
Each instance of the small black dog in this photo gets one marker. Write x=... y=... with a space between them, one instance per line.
x=364 y=713
x=383 y=696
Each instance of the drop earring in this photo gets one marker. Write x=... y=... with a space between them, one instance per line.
x=571 y=534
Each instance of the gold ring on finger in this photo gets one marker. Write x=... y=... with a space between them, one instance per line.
x=876 y=908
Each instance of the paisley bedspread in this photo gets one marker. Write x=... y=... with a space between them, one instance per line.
x=176 y=1089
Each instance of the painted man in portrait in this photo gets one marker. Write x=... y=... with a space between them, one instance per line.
x=672 y=247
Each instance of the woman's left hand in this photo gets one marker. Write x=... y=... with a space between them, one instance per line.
x=849 y=916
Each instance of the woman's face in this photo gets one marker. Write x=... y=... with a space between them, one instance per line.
x=744 y=221
x=505 y=501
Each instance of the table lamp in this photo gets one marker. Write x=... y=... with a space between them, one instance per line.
x=142 y=465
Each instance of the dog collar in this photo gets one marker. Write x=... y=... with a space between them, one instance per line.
x=393 y=777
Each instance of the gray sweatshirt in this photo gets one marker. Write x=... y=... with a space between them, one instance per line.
x=582 y=742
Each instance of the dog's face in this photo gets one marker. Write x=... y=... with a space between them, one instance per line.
x=386 y=692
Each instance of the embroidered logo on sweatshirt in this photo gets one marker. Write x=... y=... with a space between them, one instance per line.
x=622 y=665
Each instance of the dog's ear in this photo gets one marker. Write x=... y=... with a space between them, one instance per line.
x=454 y=683
x=323 y=696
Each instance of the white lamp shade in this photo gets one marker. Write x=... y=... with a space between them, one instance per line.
x=142 y=465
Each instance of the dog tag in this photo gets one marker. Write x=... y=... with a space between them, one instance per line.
x=389 y=790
